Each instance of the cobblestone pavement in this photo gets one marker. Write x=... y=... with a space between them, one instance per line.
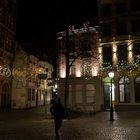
x=33 y=126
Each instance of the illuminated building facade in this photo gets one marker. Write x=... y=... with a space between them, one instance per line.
x=83 y=67
x=119 y=50
x=30 y=86
x=116 y=48
x=7 y=44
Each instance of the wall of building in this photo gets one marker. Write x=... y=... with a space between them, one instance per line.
x=7 y=44
x=83 y=94
x=30 y=81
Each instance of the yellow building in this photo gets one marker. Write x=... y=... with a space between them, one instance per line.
x=30 y=81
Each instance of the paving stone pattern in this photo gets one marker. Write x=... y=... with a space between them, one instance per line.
x=33 y=126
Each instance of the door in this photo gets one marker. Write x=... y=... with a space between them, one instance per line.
x=107 y=92
x=37 y=98
x=5 y=97
x=106 y=97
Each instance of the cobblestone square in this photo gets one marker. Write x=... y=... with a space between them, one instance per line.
x=23 y=125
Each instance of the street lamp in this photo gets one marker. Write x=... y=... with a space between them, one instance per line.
x=111 y=76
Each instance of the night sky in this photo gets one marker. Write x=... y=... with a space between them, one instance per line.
x=38 y=21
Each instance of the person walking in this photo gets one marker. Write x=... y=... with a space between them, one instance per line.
x=58 y=112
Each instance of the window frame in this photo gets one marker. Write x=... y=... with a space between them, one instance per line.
x=136 y=82
x=125 y=86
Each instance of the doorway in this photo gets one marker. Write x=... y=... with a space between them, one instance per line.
x=5 y=97
x=107 y=93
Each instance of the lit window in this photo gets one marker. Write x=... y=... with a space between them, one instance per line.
x=137 y=87
x=124 y=90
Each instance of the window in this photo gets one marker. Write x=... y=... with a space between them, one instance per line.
x=136 y=51
x=85 y=48
x=122 y=53
x=120 y=8
x=78 y=94
x=90 y=93
x=121 y=26
x=137 y=87
x=29 y=94
x=72 y=68
x=124 y=90
x=71 y=47
x=106 y=10
x=135 y=24
x=107 y=54
x=33 y=94
x=106 y=29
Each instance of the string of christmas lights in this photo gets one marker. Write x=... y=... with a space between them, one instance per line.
x=122 y=68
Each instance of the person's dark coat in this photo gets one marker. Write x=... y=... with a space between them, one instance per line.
x=57 y=110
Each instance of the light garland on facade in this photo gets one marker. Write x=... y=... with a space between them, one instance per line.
x=86 y=68
x=21 y=74
x=121 y=68
x=5 y=71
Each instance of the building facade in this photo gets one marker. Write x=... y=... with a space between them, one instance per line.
x=116 y=47
x=30 y=86
x=7 y=44
x=83 y=68
x=119 y=50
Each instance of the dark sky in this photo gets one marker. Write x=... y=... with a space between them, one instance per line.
x=38 y=21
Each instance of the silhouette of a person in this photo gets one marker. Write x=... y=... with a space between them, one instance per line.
x=58 y=112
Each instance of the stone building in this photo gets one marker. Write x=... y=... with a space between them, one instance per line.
x=7 y=43
x=30 y=81
x=115 y=48
x=83 y=68
x=119 y=51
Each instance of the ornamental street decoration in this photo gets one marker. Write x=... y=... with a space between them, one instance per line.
x=21 y=74
x=5 y=71
x=122 y=68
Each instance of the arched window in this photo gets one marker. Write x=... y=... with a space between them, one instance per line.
x=137 y=87
x=124 y=90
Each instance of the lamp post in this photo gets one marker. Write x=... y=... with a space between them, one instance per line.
x=111 y=76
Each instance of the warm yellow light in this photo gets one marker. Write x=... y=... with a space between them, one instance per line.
x=129 y=47
x=100 y=50
x=95 y=71
x=63 y=73
x=78 y=68
x=130 y=53
x=78 y=73
x=39 y=70
x=115 y=58
x=62 y=66
x=114 y=48
x=100 y=59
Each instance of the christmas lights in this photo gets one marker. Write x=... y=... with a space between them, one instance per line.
x=122 y=68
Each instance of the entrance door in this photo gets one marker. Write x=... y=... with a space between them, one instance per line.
x=107 y=92
x=5 y=97
x=106 y=97
x=37 y=98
